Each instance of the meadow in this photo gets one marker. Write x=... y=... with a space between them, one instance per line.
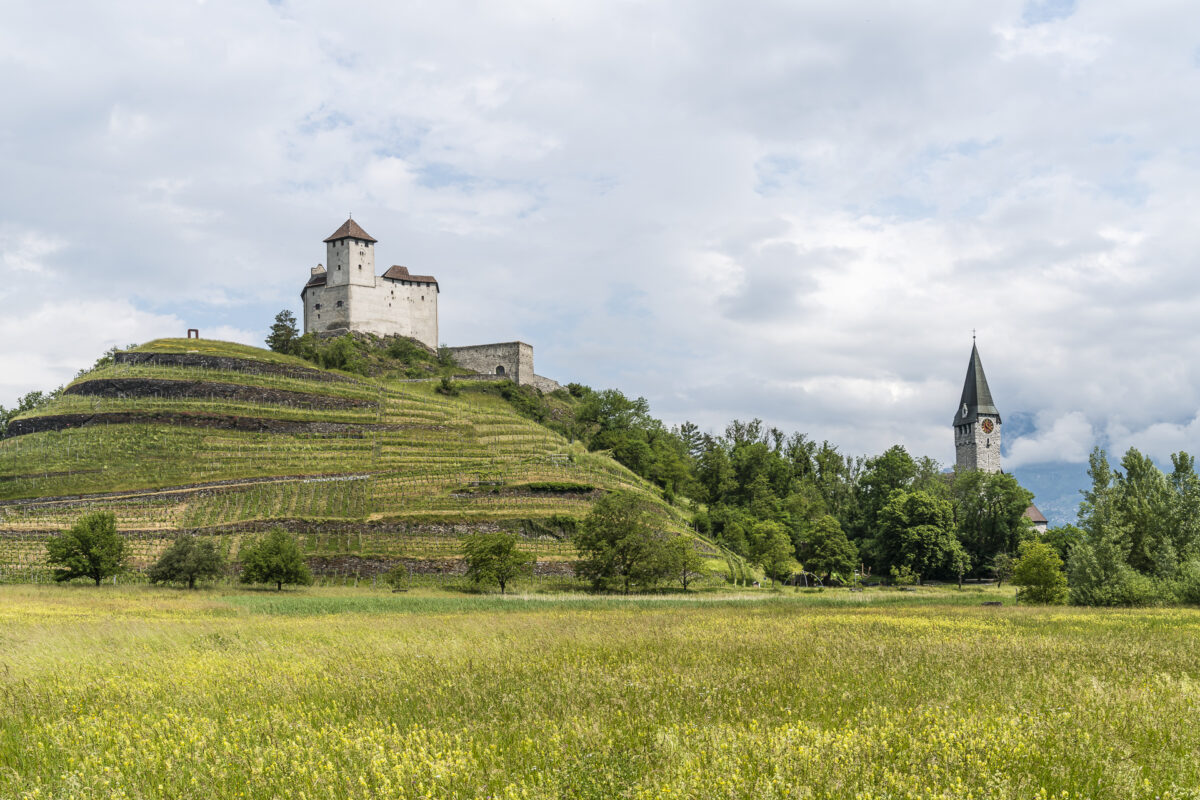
x=135 y=692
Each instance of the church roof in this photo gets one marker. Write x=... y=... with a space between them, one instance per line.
x=976 y=396
x=1035 y=516
x=397 y=273
x=350 y=230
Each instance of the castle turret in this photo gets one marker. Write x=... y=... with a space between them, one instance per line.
x=350 y=254
x=977 y=422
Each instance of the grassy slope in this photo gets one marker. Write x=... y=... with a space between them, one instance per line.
x=415 y=461
x=204 y=695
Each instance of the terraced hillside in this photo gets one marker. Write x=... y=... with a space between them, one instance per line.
x=228 y=440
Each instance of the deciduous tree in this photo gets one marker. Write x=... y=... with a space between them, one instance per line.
x=187 y=560
x=92 y=548
x=275 y=558
x=494 y=557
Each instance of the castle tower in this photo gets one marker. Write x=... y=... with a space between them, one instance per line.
x=350 y=256
x=977 y=422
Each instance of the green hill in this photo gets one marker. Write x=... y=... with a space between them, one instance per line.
x=228 y=440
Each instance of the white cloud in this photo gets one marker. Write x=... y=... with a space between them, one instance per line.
x=1068 y=438
x=798 y=213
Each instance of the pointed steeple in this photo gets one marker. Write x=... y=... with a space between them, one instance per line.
x=976 y=396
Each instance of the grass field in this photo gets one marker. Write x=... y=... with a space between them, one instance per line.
x=143 y=693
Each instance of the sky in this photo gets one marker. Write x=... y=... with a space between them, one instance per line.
x=797 y=211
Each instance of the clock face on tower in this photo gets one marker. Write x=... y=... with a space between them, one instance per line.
x=987 y=426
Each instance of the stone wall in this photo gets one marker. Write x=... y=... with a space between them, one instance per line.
x=514 y=360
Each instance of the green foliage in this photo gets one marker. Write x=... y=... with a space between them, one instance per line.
x=990 y=508
x=447 y=387
x=283 y=335
x=92 y=548
x=398 y=578
x=187 y=560
x=619 y=545
x=28 y=402
x=903 y=575
x=686 y=563
x=275 y=558
x=494 y=557
x=1138 y=534
x=1063 y=539
x=916 y=530
x=1002 y=568
x=771 y=549
x=1039 y=573
x=826 y=550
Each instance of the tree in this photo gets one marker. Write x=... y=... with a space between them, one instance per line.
x=187 y=560
x=92 y=548
x=619 y=544
x=275 y=558
x=826 y=549
x=283 y=333
x=1039 y=573
x=1002 y=568
x=494 y=558
x=958 y=560
x=687 y=564
x=772 y=550
x=916 y=530
x=990 y=512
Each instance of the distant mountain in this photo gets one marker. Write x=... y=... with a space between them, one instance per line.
x=1056 y=489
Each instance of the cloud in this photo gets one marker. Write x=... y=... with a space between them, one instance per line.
x=1067 y=438
x=798 y=213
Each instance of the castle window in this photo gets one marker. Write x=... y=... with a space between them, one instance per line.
x=317 y=306
x=339 y=303
x=500 y=370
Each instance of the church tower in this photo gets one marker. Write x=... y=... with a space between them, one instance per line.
x=977 y=422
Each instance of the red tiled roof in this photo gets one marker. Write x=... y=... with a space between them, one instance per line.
x=350 y=230
x=1034 y=514
x=397 y=273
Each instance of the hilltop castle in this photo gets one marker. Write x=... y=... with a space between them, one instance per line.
x=347 y=295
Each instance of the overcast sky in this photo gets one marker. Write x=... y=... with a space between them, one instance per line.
x=797 y=211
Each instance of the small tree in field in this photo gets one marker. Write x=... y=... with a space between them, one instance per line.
x=1002 y=568
x=687 y=565
x=275 y=558
x=187 y=560
x=619 y=545
x=1039 y=573
x=494 y=558
x=92 y=548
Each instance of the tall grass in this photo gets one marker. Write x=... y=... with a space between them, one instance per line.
x=156 y=694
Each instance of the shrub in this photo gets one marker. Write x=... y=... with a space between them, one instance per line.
x=92 y=548
x=1100 y=576
x=447 y=387
x=1189 y=582
x=398 y=577
x=187 y=560
x=903 y=576
x=275 y=558
x=1039 y=573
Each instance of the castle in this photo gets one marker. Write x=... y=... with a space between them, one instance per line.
x=977 y=430
x=347 y=295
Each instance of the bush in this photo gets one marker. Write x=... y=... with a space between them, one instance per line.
x=1039 y=573
x=398 y=577
x=275 y=558
x=903 y=576
x=1189 y=582
x=1100 y=576
x=187 y=560
x=447 y=387
x=92 y=548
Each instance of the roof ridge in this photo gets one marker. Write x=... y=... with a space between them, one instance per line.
x=350 y=230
